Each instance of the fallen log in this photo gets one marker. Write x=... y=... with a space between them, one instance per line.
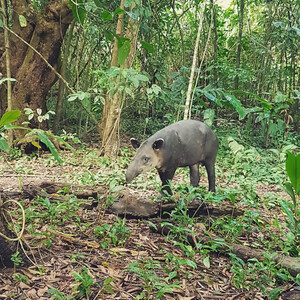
x=242 y=251
x=131 y=204
x=48 y=188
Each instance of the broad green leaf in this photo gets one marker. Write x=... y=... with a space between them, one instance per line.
x=109 y=36
x=106 y=15
x=293 y=170
x=1 y=24
x=119 y=11
x=285 y=207
x=22 y=21
x=237 y=105
x=123 y=52
x=43 y=138
x=266 y=104
x=9 y=117
x=78 y=10
x=149 y=47
x=212 y=98
x=141 y=77
x=290 y=191
x=3 y=145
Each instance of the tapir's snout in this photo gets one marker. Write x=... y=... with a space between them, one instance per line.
x=129 y=177
x=131 y=173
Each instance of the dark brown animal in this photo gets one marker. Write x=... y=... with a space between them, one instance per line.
x=184 y=143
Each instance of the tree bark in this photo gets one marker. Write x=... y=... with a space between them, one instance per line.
x=44 y=31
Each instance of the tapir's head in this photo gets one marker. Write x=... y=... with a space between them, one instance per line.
x=148 y=156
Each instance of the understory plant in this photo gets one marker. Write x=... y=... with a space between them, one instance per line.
x=291 y=209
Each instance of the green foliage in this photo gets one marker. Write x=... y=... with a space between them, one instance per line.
x=8 y=118
x=146 y=271
x=16 y=259
x=55 y=294
x=115 y=234
x=57 y=212
x=262 y=275
x=292 y=210
x=78 y=10
x=21 y=278
x=85 y=283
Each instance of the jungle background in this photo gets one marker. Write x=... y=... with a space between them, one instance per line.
x=80 y=78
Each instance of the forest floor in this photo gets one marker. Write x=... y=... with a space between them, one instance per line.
x=78 y=248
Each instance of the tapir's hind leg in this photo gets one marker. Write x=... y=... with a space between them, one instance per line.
x=210 y=169
x=166 y=177
x=194 y=175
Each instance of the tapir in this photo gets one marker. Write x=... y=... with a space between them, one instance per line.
x=184 y=143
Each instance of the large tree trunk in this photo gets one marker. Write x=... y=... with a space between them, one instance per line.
x=44 y=31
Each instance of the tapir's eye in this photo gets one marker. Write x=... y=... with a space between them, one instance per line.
x=146 y=159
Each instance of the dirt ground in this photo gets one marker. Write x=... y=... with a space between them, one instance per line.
x=75 y=247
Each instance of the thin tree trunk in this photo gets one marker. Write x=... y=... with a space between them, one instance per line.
x=110 y=122
x=215 y=43
x=7 y=54
x=239 y=48
x=190 y=86
x=62 y=86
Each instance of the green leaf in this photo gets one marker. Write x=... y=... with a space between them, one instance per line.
x=43 y=138
x=109 y=36
x=98 y=3
x=1 y=24
x=285 y=207
x=78 y=10
x=290 y=191
x=119 y=11
x=106 y=15
x=149 y=47
x=9 y=117
x=237 y=105
x=292 y=165
x=4 y=145
x=141 y=77
x=123 y=51
x=212 y=98
x=22 y=21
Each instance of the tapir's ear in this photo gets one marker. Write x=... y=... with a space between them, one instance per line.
x=135 y=143
x=158 y=144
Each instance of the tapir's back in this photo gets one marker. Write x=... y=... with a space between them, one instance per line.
x=187 y=142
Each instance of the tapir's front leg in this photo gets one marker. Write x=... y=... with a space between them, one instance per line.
x=166 y=177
